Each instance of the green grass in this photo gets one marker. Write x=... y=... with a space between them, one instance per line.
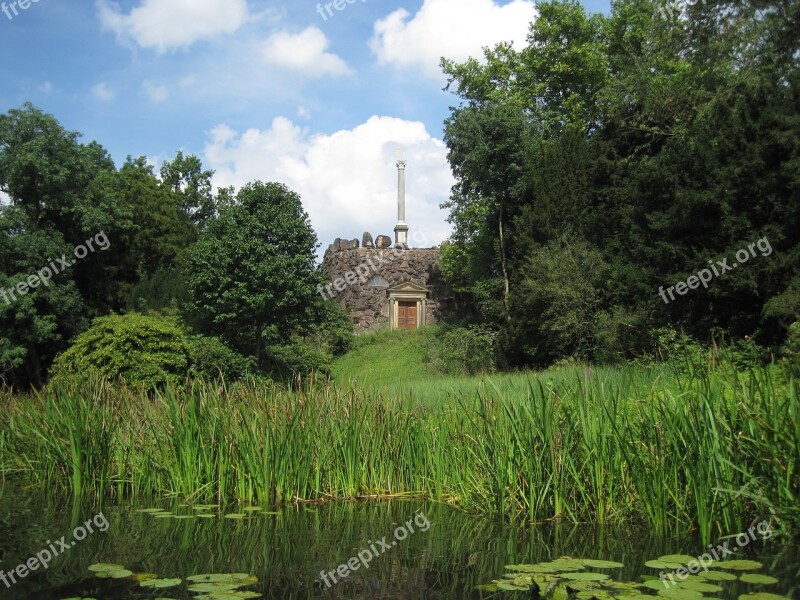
x=703 y=446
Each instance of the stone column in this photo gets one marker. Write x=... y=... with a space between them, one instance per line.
x=401 y=229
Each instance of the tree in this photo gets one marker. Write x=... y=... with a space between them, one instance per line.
x=251 y=276
x=184 y=175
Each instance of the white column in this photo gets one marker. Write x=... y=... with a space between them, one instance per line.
x=401 y=229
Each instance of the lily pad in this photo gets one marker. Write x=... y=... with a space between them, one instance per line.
x=585 y=576
x=717 y=576
x=656 y=584
x=161 y=583
x=530 y=568
x=150 y=510
x=510 y=587
x=761 y=596
x=739 y=565
x=105 y=567
x=602 y=564
x=675 y=593
x=699 y=586
x=757 y=579
x=253 y=509
x=662 y=565
x=235 y=516
x=683 y=559
x=212 y=587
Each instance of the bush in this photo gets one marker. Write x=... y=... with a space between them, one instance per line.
x=148 y=351
x=462 y=350
x=211 y=358
x=298 y=358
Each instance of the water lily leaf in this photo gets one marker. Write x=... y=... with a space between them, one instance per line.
x=253 y=509
x=583 y=586
x=662 y=565
x=602 y=564
x=761 y=596
x=165 y=515
x=739 y=565
x=530 y=568
x=758 y=579
x=717 y=576
x=105 y=567
x=682 y=559
x=699 y=586
x=150 y=510
x=120 y=573
x=206 y=516
x=598 y=595
x=656 y=584
x=161 y=583
x=680 y=594
x=563 y=565
x=235 y=516
x=585 y=576
x=144 y=576
x=510 y=587
x=212 y=587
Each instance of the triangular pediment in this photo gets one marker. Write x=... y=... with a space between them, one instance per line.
x=408 y=286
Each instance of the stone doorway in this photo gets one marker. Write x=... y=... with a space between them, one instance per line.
x=407 y=306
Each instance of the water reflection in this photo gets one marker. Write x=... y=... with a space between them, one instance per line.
x=288 y=551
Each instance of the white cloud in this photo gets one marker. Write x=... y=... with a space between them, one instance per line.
x=155 y=92
x=303 y=112
x=102 y=92
x=167 y=24
x=456 y=29
x=347 y=180
x=46 y=87
x=304 y=53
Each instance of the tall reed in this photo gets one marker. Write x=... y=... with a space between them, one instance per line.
x=709 y=448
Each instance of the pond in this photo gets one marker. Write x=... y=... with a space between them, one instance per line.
x=407 y=549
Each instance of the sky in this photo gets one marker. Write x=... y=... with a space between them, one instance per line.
x=322 y=99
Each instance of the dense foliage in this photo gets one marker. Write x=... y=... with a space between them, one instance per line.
x=616 y=156
x=238 y=267
x=146 y=351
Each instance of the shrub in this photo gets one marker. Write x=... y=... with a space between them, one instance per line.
x=211 y=358
x=462 y=350
x=148 y=351
x=298 y=358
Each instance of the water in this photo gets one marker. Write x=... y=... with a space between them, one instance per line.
x=447 y=556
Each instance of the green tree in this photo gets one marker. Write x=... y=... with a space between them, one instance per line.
x=251 y=276
x=184 y=175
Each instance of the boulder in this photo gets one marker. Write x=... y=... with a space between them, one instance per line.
x=383 y=241
x=366 y=240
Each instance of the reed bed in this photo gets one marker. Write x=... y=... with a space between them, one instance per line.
x=710 y=447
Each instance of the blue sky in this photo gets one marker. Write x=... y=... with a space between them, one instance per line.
x=260 y=89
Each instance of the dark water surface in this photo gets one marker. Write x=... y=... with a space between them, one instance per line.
x=446 y=557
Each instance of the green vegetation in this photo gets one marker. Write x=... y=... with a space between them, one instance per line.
x=619 y=154
x=567 y=575
x=706 y=445
x=147 y=352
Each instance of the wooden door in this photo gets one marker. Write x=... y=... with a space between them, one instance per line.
x=406 y=315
